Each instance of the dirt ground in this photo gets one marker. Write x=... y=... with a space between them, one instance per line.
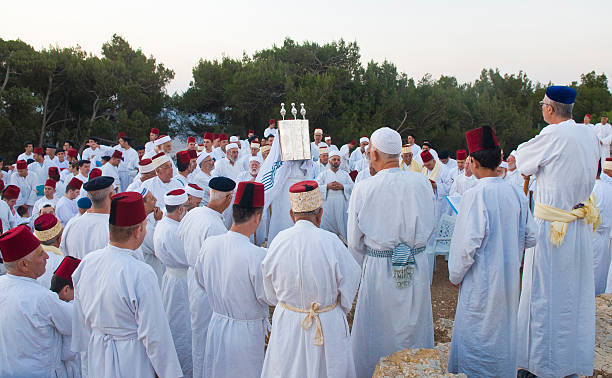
x=443 y=299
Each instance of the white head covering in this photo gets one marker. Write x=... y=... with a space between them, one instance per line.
x=513 y=153
x=230 y=146
x=504 y=164
x=387 y=140
x=194 y=192
x=234 y=138
x=256 y=158
x=322 y=144
x=333 y=153
x=146 y=168
x=203 y=156
x=318 y=132
x=176 y=199
x=364 y=139
x=162 y=140
x=327 y=138
x=160 y=160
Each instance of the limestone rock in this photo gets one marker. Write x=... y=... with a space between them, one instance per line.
x=407 y=363
x=603 y=335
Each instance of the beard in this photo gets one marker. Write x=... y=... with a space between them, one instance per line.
x=254 y=171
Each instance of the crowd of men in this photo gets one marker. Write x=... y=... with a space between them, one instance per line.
x=140 y=262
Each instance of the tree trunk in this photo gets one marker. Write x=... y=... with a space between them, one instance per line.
x=6 y=77
x=45 y=109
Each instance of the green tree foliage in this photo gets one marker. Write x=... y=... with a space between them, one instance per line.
x=55 y=94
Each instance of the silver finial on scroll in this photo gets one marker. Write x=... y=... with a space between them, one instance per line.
x=283 y=111
x=293 y=110
x=303 y=111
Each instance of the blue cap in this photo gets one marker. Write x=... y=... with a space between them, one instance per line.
x=84 y=203
x=562 y=94
x=222 y=184
x=98 y=183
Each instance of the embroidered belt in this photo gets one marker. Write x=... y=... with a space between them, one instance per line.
x=402 y=260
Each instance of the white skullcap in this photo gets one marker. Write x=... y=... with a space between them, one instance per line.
x=387 y=140
x=504 y=164
x=160 y=159
x=234 y=138
x=513 y=153
x=318 y=131
x=328 y=138
x=146 y=168
x=230 y=146
x=255 y=145
x=175 y=197
x=194 y=190
x=323 y=150
x=334 y=153
x=256 y=158
x=322 y=144
x=364 y=139
x=161 y=140
x=203 y=156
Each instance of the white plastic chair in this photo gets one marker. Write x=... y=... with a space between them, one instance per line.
x=442 y=241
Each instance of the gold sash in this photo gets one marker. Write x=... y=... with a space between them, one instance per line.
x=560 y=219
x=434 y=172
x=414 y=166
x=313 y=314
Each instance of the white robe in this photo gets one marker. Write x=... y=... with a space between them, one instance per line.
x=51 y=265
x=444 y=181
x=128 y=168
x=66 y=209
x=556 y=318
x=27 y=188
x=169 y=250
x=362 y=175
x=335 y=202
x=195 y=227
x=119 y=318
x=229 y=270
x=160 y=188
x=111 y=171
x=601 y=239
x=37 y=169
x=84 y=234
x=387 y=209
x=604 y=133
x=33 y=322
x=6 y=216
x=201 y=179
x=493 y=227
x=147 y=249
x=356 y=156
x=304 y=265
x=40 y=203
x=461 y=184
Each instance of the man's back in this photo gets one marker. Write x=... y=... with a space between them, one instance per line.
x=564 y=159
x=85 y=234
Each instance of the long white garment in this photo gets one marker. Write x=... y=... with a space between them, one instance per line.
x=335 y=202
x=25 y=157
x=37 y=169
x=604 y=133
x=66 y=209
x=33 y=321
x=128 y=168
x=147 y=249
x=160 y=188
x=136 y=340
x=461 y=184
x=229 y=270
x=5 y=216
x=70 y=359
x=416 y=153
x=305 y=265
x=345 y=155
x=110 y=170
x=201 y=179
x=387 y=209
x=27 y=188
x=149 y=149
x=556 y=319
x=362 y=175
x=356 y=156
x=224 y=168
x=601 y=239
x=40 y=203
x=199 y=224
x=444 y=181
x=175 y=295
x=84 y=234
x=493 y=227
x=219 y=154
x=54 y=260
x=515 y=178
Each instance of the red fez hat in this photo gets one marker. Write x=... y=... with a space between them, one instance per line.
x=50 y=183
x=47 y=227
x=251 y=131
x=209 y=136
x=183 y=157
x=353 y=175
x=1 y=189
x=145 y=162
x=249 y=194
x=587 y=115
x=216 y=136
x=271 y=122
x=117 y=154
x=480 y=139
x=72 y=152
x=53 y=172
x=191 y=140
x=75 y=183
x=222 y=136
x=39 y=150
x=155 y=131
x=303 y=186
x=426 y=156
x=96 y=172
x=17 y=243
x=609 y=159
x=127 y=209
x=193 y=154
x=66 y=268
x=461 y=155
x=122 y=134
x=21 y=164
x=11 y=192
x=353 y=142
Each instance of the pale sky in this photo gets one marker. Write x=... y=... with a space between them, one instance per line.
x=549 y=40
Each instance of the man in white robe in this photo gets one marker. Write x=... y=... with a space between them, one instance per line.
x=164 y=180
x=230 y=168
x=205 y=165
x=48 y=230
x=416 y=149
x=169 y=250
x=336 y=186
x=33 y=318
x=493 y=227
x=26 y=181
x=128 y=168
x=111 y=169
x=390 y=219
x=408 y=162
x=315 y=144
x=229 y=270
x=556 y=318
x=136 y=340
x=359 y=153
x=312 y=279
x=146 y=170
x=47 y=199
x=66 y=208
x=7 y=207
x=604 y=133
x=89 y=232
x=194 y=229
x=601 y=240
x=463 y=182
x=345 y=153
x=322 y=164
x=38 y=166
x=441 y=181
x=150 y=145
